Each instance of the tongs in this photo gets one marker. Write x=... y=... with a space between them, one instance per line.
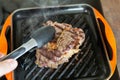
x=39 y=38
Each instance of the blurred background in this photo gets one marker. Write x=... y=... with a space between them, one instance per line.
x=111 y=10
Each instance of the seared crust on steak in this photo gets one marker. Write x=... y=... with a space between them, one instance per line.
x=65 y=44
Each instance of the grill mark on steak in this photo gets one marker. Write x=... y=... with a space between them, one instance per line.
x=49 y=54
x=46 y=53
x=58 y=26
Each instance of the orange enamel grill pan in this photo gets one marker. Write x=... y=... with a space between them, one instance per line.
x=95 y=61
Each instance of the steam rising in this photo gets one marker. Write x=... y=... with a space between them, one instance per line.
x=33 y=21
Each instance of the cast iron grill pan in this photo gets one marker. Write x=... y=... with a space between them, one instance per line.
x=89 y=64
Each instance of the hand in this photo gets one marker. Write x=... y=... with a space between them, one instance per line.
x=7 y=66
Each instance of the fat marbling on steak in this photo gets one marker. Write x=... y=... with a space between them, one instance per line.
x=65 y=44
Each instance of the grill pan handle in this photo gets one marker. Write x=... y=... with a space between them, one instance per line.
x=3 y=43
x=111 y=40
x=3 y=40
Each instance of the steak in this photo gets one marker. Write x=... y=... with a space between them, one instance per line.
x=65 y=44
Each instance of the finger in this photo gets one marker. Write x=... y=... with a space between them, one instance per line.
x=7 y=66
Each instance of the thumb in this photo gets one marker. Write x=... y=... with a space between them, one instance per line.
x=7 y=65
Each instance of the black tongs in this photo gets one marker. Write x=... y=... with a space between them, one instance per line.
x=39 y=38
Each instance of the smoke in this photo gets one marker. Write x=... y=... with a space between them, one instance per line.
x=33 y=20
